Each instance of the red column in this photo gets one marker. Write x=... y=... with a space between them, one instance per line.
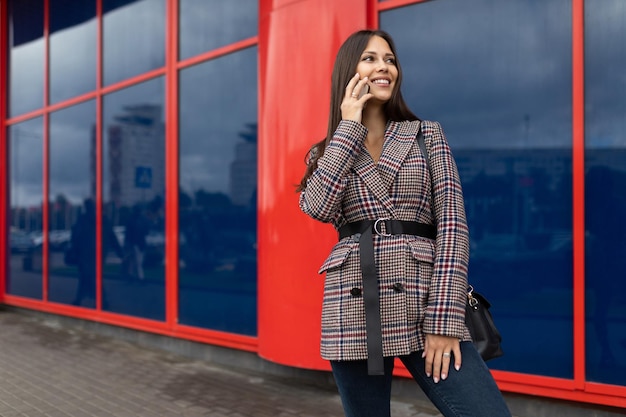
x=298 y=41
x=578 y=191
x=4 y=166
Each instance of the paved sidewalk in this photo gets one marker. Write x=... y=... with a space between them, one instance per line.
x=50 y=371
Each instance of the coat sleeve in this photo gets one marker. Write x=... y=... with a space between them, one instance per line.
x=321 y=199
x=445 y=313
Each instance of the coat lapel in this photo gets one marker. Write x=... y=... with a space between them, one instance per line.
x=399 y=138
x=366 y=169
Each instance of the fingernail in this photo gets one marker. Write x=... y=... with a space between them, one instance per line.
x=443 y=376
x=457 y=367
x=436 y=380
x=428 y=374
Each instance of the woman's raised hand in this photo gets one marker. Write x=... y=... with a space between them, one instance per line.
x=352 y=105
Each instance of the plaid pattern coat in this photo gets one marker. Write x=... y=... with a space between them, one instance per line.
x=422 y=282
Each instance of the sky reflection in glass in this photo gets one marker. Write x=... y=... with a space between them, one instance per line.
x=502 y=91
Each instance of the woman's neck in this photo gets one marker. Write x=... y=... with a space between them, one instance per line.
x=375 y=120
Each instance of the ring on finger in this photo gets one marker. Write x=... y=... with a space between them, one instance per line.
x=446 y=354
x=354 y=95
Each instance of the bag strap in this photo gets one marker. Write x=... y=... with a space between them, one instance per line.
x=422 y=144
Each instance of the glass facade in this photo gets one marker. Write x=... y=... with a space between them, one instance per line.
x=73 y=48
x=25 y=141
x=133 y=38
x=71 y=196
x=502 y=92
x=133 y=187
x=605 y=182
x=202 y=29
x=124 y=156
x=26 y=56
x=218 y=177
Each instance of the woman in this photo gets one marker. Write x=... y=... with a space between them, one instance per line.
x=396 y=285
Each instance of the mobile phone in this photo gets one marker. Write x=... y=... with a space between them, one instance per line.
x=364 y=90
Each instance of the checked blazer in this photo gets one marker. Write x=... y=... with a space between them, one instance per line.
x=422 y=282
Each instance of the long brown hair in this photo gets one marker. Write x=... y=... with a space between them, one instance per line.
x=344 y=69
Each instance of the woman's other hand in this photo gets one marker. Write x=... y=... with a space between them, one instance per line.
x=439 y=352
x=352 y=106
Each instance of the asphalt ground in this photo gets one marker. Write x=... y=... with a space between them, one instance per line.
x=51 y=370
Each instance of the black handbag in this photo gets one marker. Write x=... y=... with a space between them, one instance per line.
x=485 y=335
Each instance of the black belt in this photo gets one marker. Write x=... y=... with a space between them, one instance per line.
x=381 y=227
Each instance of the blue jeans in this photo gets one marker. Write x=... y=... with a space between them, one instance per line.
x=469 y=392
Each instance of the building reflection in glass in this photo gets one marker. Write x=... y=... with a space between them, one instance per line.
x=217 y=204
x=133 y=195
x=71 y=209
x=26 y=209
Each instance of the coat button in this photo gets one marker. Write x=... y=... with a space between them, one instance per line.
x=356 y=292
x=398 y=287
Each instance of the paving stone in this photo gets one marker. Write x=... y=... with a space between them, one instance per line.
x=50 y=371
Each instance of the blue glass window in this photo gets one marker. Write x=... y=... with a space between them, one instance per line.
x=72 y=225
x=73 y=48
x=502 y=91
x=26 y=208
x=203 y=24
x=218 y=165
x=605 y=182
x=26 y=56
x=133 y=231
x=134 y=38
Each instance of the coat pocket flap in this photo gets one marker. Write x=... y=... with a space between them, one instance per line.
x=338 y=255
x=423 y=249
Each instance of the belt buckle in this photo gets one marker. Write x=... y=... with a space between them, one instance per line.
x=379 y=233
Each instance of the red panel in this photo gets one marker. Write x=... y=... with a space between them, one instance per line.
x=171 y=166
x=297 y=45
x=99 y=167
x=99 y=160
x=578 y=191
x=46 y=140
x=277 y=4
x=4 y=167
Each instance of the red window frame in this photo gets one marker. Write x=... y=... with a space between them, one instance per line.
x=170 y=70
x=578 y=388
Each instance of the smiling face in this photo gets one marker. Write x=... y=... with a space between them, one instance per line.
x=378 y=63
